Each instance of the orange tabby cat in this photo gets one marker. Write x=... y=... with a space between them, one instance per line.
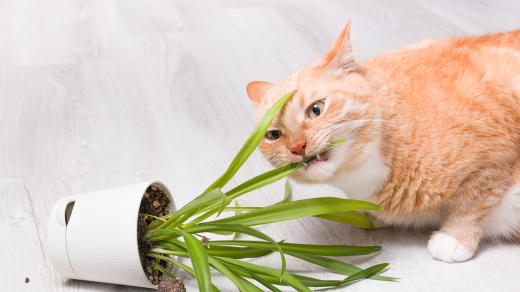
x=432 y=134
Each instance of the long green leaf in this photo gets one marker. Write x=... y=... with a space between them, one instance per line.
x=331 y=264
x=266 y=280
x=211 y=227
x=288 y=277
x=252 y=142
x=240 y=210
x=162 y=234
x=287 y=194
x=298 y=209
x=238 y=252
x=363 y=274
x=237 y=212
x=313 y=282
x=352 y=217
x=306 y=281
x=207 y=198
x=202 y=200
x=259 y=181
x=199 y=260
x=366 y=273
x=310 y=249
x=220 y=251
x=335 y=266
x=265 y=283
x=264 y=179
x=242 y=284
x=171 y=244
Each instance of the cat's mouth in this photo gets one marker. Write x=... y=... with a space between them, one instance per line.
x=316 y=158
x=321 y=156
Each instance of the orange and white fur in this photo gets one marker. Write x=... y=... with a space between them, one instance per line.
x=432 y=134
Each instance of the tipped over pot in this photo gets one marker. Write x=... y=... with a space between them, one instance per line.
x=96 y=236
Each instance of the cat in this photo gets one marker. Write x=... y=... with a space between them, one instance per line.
x=432 y=134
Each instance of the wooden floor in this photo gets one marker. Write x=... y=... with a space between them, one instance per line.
x=95 y=94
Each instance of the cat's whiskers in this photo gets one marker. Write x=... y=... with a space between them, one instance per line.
x=323 y=138
x=351 y=125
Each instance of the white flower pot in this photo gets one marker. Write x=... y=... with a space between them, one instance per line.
x=93 y=236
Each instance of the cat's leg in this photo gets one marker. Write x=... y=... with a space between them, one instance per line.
x=457 y=240
x=461 y=231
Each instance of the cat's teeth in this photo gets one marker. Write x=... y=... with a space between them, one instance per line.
x=318 y=156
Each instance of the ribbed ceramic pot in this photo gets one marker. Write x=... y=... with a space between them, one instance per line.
x=93 y=236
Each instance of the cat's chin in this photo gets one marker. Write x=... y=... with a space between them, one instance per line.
x=321 y=168
x=316 y=171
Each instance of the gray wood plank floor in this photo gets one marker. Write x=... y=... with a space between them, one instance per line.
x=95 y=94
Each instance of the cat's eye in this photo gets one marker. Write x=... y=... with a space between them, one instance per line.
x=316 y=109
x=273 y=135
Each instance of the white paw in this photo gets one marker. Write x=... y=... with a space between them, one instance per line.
x=447 y=248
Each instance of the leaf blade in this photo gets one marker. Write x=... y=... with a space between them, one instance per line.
x=199 y=260
x=336 y=266
x=366 y=273
x=252 y=142
x=211 y=226
x=252 y=268
x=205 y=199
x=310 y=249
x=264 y=179
x=287 y=193
x=241 y=283
x=354 y=218
x=298 y=209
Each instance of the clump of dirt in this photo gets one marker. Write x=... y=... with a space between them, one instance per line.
x=155 y=202
x=168 y=284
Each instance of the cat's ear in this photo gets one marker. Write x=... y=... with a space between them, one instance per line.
x=257 y=89
x=340 y=58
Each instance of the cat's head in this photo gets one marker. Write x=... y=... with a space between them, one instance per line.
x=332 y=102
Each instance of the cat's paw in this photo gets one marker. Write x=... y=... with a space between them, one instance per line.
x=447 y=248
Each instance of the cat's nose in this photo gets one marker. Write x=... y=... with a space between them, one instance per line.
x=298 y=148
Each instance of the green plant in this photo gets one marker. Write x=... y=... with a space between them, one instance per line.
x=180 y=233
